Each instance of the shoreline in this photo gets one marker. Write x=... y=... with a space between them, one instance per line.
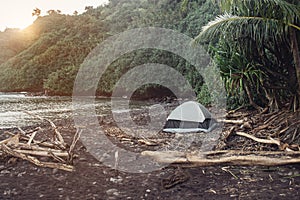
x=93 y=180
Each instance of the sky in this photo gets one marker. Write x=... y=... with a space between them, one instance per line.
x=18 y=13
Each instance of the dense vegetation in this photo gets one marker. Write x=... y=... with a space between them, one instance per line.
x=52 y=59
x=13 y=41
x=254 y=44
x=59 y=44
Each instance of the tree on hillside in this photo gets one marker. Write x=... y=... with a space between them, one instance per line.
x=88 y=8
x=36 y=12
x=51 y=12
x=258 y=49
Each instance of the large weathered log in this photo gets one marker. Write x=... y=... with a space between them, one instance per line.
x=225 y=157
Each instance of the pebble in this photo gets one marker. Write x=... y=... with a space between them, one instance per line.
x=283 y=180
x=290 y=173
x=5 y=172
x=21 y=174
x=112 y=191
x=116 y=180
x=54 y=171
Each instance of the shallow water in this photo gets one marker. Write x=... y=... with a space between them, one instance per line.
x=13 y=105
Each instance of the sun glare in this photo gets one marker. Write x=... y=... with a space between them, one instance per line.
x=18 y=13
x=23 y=23
x=19 y=19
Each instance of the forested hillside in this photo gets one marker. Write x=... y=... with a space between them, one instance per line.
x=63 y=41
x=13 y=41
x=48 y=59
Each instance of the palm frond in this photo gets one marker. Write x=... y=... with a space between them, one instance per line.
x=234 y=27
x=277 y=9
x=184 y=5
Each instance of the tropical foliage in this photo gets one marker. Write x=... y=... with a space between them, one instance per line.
x=256 y=47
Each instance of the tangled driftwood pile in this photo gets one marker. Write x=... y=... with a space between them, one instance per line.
x=24 y=145
x=262 y=131
x=247 y=139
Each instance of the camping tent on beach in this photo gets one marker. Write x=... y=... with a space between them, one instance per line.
x=190 y=116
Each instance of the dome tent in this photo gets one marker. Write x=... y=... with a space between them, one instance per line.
x=190 y=116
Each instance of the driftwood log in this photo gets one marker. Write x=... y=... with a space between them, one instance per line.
x=34 y=160
x=23 y=145
x=225 y=157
